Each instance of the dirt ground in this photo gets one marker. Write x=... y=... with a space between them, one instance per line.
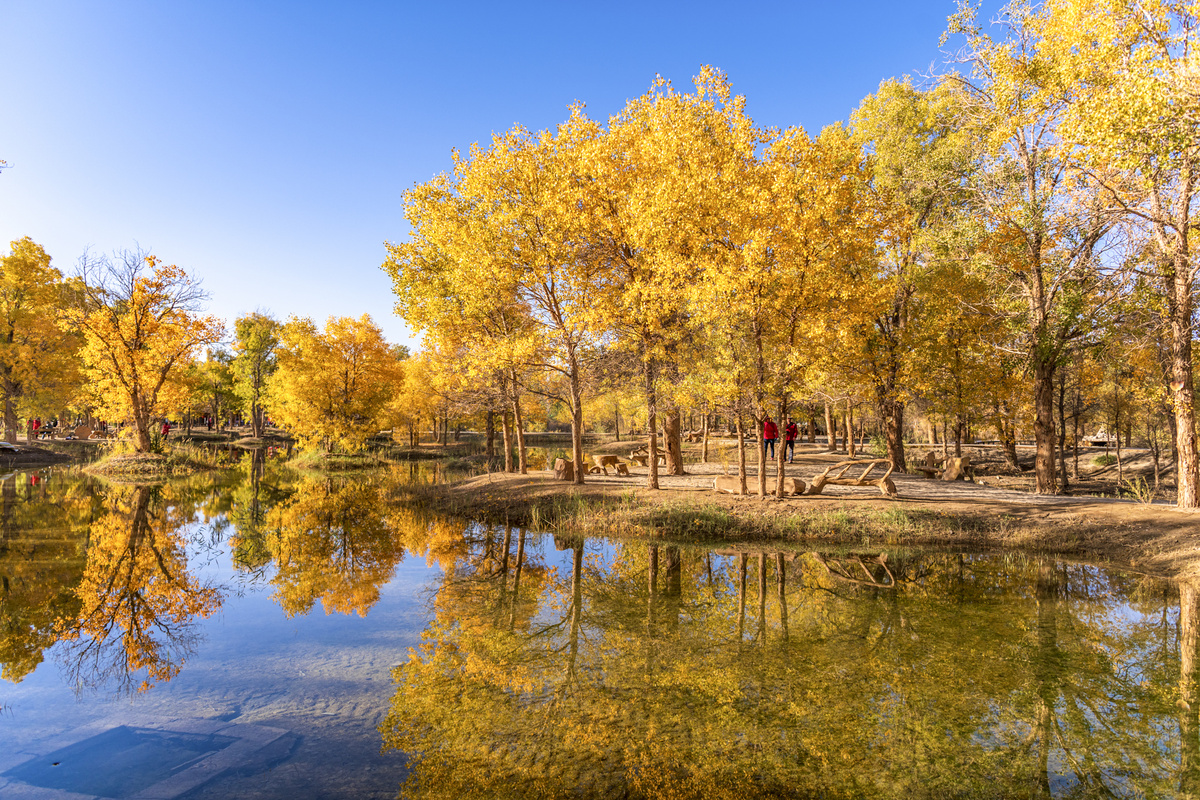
x=988 y=513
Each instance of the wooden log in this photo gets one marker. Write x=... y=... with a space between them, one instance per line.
x=564 y=470
x=732 y=485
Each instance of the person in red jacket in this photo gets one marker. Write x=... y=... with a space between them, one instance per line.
x=790 y=431
x=770 y=434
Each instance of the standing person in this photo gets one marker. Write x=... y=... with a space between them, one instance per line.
x=166 y=428
x=770 y=434
x=790 y=432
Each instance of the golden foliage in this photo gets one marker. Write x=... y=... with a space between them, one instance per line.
x=141 y=326
x=333 y=387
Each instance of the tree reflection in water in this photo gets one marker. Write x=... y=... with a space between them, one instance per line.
x=633 y=672
x=103 y=570
x=139 y=603
x=41 y=562
x=642 y=670
x=331 y=541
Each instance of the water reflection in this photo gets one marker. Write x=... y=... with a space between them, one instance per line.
x=110 y=572
x=331 y=541
x=139 y=603
x=41 y=562
x=661 y=671
x=553 y=666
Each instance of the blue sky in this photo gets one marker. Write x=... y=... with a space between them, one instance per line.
x=265 y=146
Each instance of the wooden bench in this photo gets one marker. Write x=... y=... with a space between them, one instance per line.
x=930 y=465
x=883 y=483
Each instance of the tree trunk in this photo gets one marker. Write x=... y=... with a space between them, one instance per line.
x=762 y=458
x=830 y=429
x=1187 y=461
x=577 y=427
x=741 y=449
x=781 y=446
x=490 y=430
x=812 y=428
x=850 y=443
x=141 y=432
x=519 y=424
x=10 y=419
x=1006 y=432
x=507 y=431
x=1062 y=432
x=704 y=442
x=1043 y=426
x=673 y=439
x=648 y=373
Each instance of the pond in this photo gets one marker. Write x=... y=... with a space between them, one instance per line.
x=263 y=634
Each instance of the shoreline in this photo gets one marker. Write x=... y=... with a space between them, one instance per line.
x=1154 y=539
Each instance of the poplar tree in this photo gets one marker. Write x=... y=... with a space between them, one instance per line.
x=38 y=359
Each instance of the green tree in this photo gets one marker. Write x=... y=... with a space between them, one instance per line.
x=255 y=343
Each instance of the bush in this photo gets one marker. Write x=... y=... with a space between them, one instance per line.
x=1106 y=460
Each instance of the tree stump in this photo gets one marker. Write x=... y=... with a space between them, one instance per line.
x=957 y=469
x=564 y=470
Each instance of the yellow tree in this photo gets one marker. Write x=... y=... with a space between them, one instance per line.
x=917 y=158
x=655 y=192
x=497 y=261
x=1046 y=229
x=141 y=321
x=1132 y=76
x=37 y=355
x=487 y=331
x=333 y=386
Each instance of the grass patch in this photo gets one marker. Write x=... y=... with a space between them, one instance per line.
x=630 y=514
x=319 y=461
x=176 y=461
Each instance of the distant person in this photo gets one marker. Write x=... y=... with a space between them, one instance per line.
x=770 y=434
x=790 y=432
x=166 y=428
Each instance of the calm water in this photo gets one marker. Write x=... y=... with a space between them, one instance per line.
x=315 y=638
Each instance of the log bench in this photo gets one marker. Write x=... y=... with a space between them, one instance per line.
x=883 y=483
x=951 y=469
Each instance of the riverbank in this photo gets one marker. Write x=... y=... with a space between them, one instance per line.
x=1153 y=538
